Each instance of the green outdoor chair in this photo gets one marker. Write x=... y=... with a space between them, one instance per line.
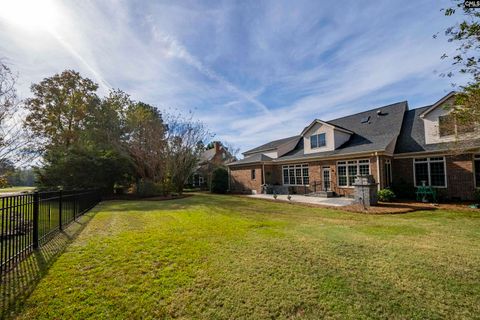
x=423 y=192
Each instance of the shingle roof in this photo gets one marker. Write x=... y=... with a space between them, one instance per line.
x=307 y=128
x=252 y=159
x=271 y=145
x=375 y=135
x=412 y=135
x=207 y=155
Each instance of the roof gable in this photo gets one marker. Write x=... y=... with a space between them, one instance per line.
x=314 y=122
x=378 y=134
x=412 y=135
x=437 y=104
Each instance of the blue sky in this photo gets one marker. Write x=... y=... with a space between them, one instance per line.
x=253 y=71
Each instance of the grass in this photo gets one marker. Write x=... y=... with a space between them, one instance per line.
x=17 y=284
x=229 y=257
x=16 y=189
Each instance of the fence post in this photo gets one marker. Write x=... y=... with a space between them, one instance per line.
x=36 y=206
x=60 y=209
x=3 y=247
x=74 y=196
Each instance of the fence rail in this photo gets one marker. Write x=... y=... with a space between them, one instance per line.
x=32 y=219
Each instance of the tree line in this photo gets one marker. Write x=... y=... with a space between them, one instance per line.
x=82 y=140
x=465 y=60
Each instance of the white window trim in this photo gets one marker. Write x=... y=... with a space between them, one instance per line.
x=302 y=166
x=428 y=161
x=200 y=180
x=476 y=157
x=346 y=164
x=316 y=135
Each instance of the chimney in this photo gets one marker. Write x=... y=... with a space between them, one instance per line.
x=217 y=145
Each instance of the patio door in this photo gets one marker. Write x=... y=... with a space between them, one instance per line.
x=326 y=178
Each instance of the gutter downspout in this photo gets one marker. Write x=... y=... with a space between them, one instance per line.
x=378 y=171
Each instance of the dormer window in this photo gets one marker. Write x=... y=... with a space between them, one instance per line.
x=448 y=126
x=318 y=140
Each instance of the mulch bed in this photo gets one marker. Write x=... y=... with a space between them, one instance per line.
x=389 y=208
x=400 y=207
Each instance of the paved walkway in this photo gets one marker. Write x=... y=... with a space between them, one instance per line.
x=335 y=202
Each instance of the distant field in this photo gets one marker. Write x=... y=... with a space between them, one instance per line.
x=16 y=189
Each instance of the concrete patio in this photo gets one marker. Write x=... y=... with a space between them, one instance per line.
x=335 y=202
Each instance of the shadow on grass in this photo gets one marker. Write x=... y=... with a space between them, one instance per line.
x=161 y=204
x=17 y=285
x=119 y=206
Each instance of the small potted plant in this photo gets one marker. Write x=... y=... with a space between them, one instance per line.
x=275 y=195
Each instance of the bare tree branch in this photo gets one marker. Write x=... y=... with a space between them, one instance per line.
x=185 y=139
x=12 y=136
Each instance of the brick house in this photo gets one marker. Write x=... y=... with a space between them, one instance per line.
x=400 y=147
x=215 y=156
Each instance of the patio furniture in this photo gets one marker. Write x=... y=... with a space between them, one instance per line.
x=423 y=192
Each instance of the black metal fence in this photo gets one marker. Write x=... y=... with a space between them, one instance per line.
x=30 y=220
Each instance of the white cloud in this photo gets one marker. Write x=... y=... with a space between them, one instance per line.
x=253 y=71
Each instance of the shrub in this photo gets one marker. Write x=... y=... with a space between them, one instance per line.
x=147 y=189
x=3 y=182
x=476 y=195
x=219 y=182
x=386 y=195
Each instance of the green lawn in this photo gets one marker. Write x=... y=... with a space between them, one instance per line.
x=224 y=257
x=16 y=189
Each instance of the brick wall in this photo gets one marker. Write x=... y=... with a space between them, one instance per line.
x=460 y=179
x=273 y=175
x=402 y=170
x=241 y=179
x=349 y=191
